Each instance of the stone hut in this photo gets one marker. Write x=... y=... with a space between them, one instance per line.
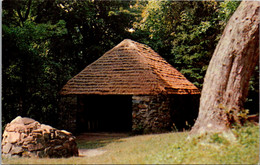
x=129 y=88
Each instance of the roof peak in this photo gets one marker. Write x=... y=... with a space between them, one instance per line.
x=126 y=43
x=129 y=68
x=127 y=40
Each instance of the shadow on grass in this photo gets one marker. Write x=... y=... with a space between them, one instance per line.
x=92 y=142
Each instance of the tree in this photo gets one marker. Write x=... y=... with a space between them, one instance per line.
x=46 y=42
x=185 y=33
x=28 y=71
x=227 y=79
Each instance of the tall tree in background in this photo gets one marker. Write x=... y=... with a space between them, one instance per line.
x=185 y=33
x=46 y=42
x=227 y=79
x=29 y=72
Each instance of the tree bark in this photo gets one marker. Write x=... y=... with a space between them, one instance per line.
x=226 y=82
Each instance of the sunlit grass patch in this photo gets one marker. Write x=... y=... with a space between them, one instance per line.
x=240 y=147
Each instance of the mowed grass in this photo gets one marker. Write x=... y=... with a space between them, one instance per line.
x=240 y=147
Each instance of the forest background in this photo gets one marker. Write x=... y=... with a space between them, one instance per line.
x=47 y=42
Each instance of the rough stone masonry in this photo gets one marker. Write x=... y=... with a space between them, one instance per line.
x=151 y=113
x=28 y=138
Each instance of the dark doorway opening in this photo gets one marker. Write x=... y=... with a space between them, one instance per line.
x=184 y=111
x=104 y=113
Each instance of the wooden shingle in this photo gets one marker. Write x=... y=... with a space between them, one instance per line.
x=130 y=68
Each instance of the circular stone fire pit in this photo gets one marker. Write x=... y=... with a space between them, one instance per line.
x=27 y=137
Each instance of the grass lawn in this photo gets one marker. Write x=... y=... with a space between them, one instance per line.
x=168 y=148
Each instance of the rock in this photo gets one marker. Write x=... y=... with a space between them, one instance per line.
x=59 y=147
x=46 y=136
x=35 y=147
x=18 y=119
x=28 y=138
x=66 y=144
x=27 y=120
x=32 y=126
x=15 y=127
x=6 y=148
x=12 y=137
x=147 y=110
x=29 y=154
x=46 y=128
x=16 y=150
x=37 y=131
x=142 y=106
x=24 y=120
x=41 y=154
x=65 y=132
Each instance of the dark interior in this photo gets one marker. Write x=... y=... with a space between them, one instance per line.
x=184 y=111
x=104 y=113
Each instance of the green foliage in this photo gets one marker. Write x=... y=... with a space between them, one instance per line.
x=26 y=70
x=247 y=135
x=235 y=116
x=45 y=43
x=217 y=138
x=252 y=102
x=186 y=33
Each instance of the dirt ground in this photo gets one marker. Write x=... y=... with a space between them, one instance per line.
x=91 y=152
x=95 y=137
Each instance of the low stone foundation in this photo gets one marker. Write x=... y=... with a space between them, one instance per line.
x=151 y=114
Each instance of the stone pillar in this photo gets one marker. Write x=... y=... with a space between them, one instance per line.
x=151 y=113
x=68 y=113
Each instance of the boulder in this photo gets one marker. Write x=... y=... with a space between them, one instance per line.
x=28 y=138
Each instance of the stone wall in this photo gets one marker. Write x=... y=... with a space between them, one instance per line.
x=151 y=114
x=28 y=138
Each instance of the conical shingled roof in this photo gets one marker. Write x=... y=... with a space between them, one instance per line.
x=130 y=68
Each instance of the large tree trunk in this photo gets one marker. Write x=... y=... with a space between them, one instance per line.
x=227 y=79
